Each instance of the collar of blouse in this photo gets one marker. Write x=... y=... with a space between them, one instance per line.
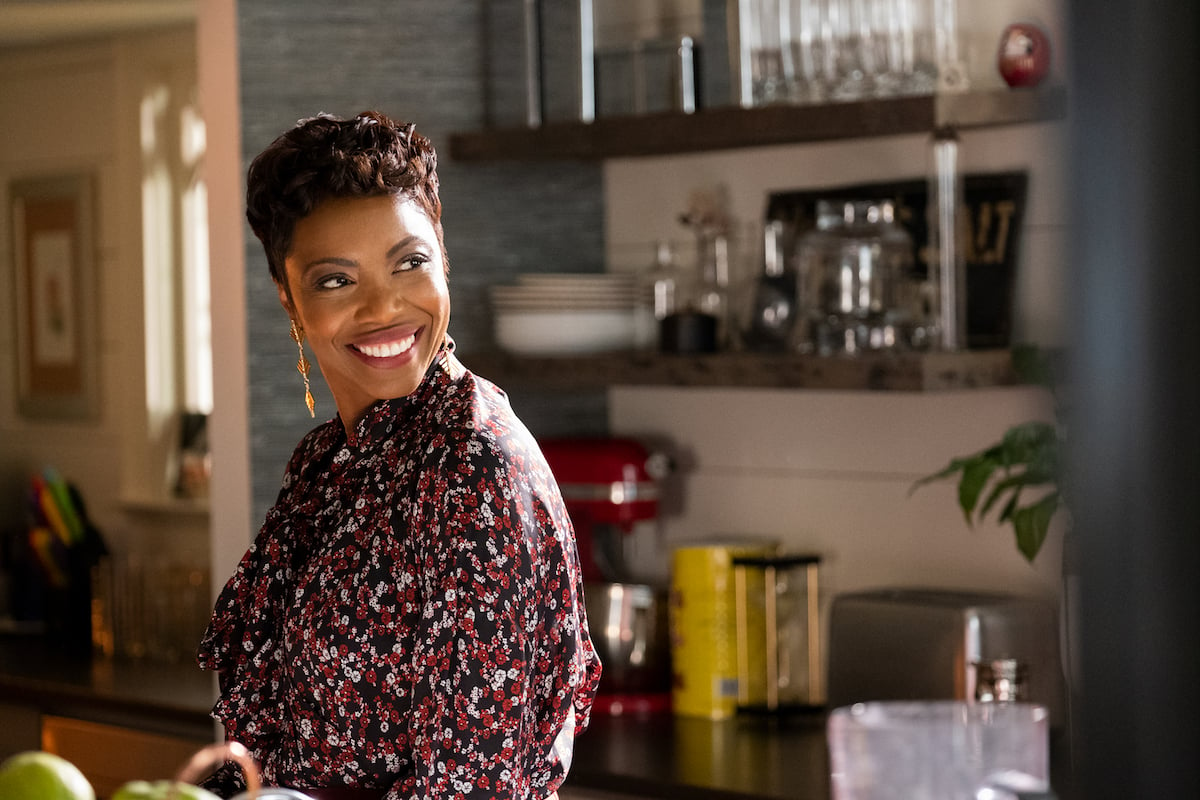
x=381 y=417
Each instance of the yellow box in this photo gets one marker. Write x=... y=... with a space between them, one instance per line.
x=703 y=626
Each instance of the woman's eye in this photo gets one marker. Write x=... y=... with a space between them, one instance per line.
x=331 y=282
x=413 y=261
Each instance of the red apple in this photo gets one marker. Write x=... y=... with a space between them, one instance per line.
x=1024 y=57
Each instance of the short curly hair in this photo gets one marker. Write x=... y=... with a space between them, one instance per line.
x=327 y=157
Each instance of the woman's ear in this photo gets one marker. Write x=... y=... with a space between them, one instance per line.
x=285 y=300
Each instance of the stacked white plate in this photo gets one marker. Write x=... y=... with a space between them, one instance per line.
x=567 y=313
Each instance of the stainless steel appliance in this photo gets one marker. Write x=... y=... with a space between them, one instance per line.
x=628 y=623
x=924 y=644
x=608 y=485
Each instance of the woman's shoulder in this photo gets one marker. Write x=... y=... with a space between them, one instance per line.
x=476 y=422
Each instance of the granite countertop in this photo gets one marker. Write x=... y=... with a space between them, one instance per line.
x=665 y=756
x=172 y=699
x=643 y=756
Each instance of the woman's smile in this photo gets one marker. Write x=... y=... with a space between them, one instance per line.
x=385 y=350
x=366 y=280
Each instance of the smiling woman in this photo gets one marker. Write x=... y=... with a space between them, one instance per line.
x=409 y=621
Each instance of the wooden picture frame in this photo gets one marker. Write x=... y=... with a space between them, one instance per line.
x=53 y=223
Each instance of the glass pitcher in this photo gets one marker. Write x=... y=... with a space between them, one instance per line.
x=859 y=291
x=938 y=750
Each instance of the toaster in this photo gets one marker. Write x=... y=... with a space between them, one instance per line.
x=924 y=644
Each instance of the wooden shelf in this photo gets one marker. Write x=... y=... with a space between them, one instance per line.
x=908 y=372
x=728 y=128
x=732 y=127
x=145 y=504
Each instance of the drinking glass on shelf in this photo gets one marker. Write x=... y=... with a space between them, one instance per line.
x=950 y=68
x=892 y=43
x=851 y=64
x=760 y=23
x=806 y=39
x=882 y=48
x=922 y=74
x=876 y=47
x=937 y=57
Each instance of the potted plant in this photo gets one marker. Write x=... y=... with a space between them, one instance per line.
x=1020 y=475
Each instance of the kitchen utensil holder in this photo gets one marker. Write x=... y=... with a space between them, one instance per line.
x=781 y=693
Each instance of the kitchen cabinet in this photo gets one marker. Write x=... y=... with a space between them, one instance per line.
x=730 y=128
x=20 y=729
x=112 y=755
x=117 y=720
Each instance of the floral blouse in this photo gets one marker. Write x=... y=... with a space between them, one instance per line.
x=410 y=617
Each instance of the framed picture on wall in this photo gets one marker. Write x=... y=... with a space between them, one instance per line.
x=55 y=283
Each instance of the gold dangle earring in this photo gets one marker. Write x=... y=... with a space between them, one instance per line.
x=302 y=366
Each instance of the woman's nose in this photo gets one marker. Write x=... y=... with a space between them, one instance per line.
x=378 y=299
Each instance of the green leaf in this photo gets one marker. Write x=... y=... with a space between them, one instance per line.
x=1026 y=457
x=1015 y=483
x=945 y=472
x=1028 y=443
x=1009 y=508
x=975 y=475
x=1032 y=523
x=997 y=491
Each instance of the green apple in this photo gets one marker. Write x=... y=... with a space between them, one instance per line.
x=37 y=775
x=159 y=790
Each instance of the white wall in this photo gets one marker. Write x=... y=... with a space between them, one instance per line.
x=68 y=109
x=830 y=473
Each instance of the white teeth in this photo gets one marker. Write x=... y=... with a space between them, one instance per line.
x=386 y=350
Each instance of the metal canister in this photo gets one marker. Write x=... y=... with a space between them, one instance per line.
x=1002 y=680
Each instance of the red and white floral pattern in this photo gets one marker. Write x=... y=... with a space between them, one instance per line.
x=410 y=617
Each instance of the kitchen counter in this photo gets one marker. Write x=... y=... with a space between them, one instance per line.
x=170 y=699
x=664 y=756
x=651 y=756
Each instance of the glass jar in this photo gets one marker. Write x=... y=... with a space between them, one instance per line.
x=663 y=280
x=700 y=320
x=771 y=310
x=859 y=290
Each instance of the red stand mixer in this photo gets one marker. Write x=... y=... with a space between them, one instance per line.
x=609 y=485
